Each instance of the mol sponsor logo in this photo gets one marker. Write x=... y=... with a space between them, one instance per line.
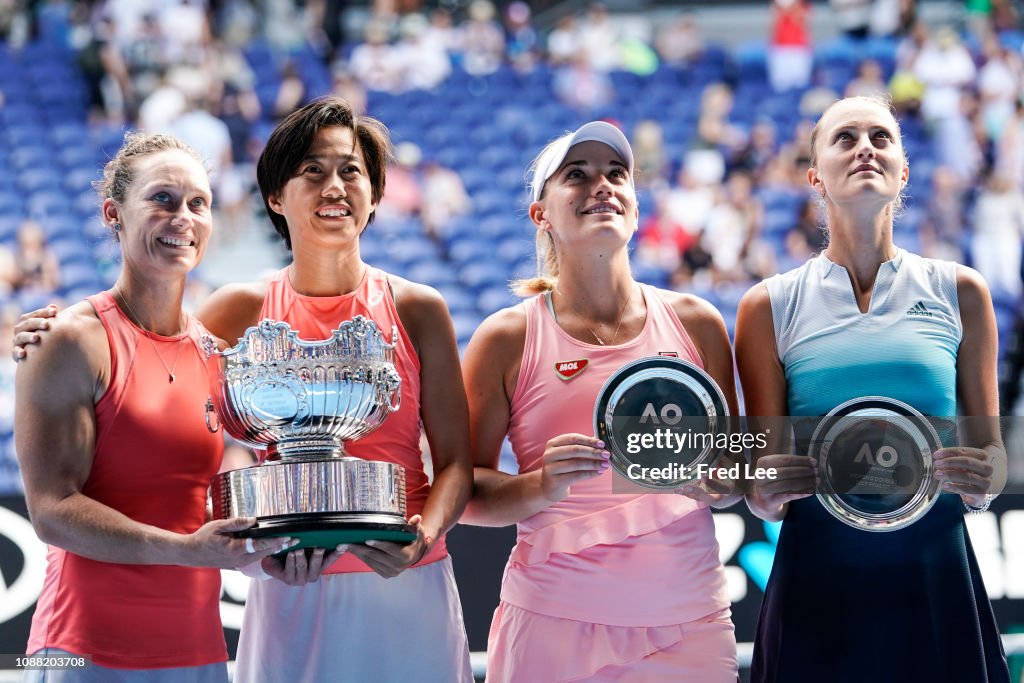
x=567 y=369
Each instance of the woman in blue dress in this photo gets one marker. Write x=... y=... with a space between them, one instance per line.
x=866 y=318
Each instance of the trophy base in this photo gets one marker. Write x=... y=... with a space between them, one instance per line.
x=325 y=530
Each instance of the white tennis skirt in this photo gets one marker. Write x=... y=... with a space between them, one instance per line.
x=356 y=627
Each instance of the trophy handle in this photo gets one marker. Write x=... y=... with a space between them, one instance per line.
x=214 y=427
x=395 y=400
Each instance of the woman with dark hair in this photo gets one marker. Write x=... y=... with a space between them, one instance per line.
x=322 y=177
x=866 y=318
x=114 y=449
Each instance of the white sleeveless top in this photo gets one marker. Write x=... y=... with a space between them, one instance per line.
x=904 y=347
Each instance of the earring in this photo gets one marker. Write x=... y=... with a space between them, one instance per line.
x=116 y=227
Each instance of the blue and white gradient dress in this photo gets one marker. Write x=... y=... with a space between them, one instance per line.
x=849 y=606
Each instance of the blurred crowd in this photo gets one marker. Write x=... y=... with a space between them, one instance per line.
x=179 y=67
x=719 y=210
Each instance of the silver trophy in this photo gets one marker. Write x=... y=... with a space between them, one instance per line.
x=300 y=401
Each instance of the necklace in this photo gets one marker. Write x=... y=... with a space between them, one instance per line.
x=138 y=322
x=622 y=314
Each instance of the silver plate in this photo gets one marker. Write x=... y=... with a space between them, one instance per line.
x=875 y=461
x=661 y=395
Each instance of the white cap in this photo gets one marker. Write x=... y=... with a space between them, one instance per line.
x=552 y=157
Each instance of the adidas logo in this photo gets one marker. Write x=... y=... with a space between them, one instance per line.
x=919 y=309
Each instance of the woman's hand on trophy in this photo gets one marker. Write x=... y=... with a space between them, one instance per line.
x=300 y=567
x=391 y=559
x=214 y=545
x=28 y=328
x=966 y=471
x=795 y=477
x=569 y=458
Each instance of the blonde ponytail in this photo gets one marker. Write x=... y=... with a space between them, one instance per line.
x=547 y=269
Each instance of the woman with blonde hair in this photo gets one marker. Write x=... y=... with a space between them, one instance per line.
x=114 y=449
x=866 y=318
x=592 y=590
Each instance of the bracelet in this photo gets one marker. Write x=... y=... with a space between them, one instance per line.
x=977 y=510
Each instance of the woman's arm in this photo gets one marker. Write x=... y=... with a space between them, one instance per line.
x=706 y=328
x=491 y=369
x=425 y=317
x=227 y=314
x=765 y=396
x=979 y=467
x=232 y=309
x=55 y=433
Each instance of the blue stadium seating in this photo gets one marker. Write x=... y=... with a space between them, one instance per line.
x=487 y=128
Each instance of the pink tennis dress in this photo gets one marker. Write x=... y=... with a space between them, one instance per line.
x=605 y=586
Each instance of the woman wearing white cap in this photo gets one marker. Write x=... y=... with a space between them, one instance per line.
x=600 y=586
